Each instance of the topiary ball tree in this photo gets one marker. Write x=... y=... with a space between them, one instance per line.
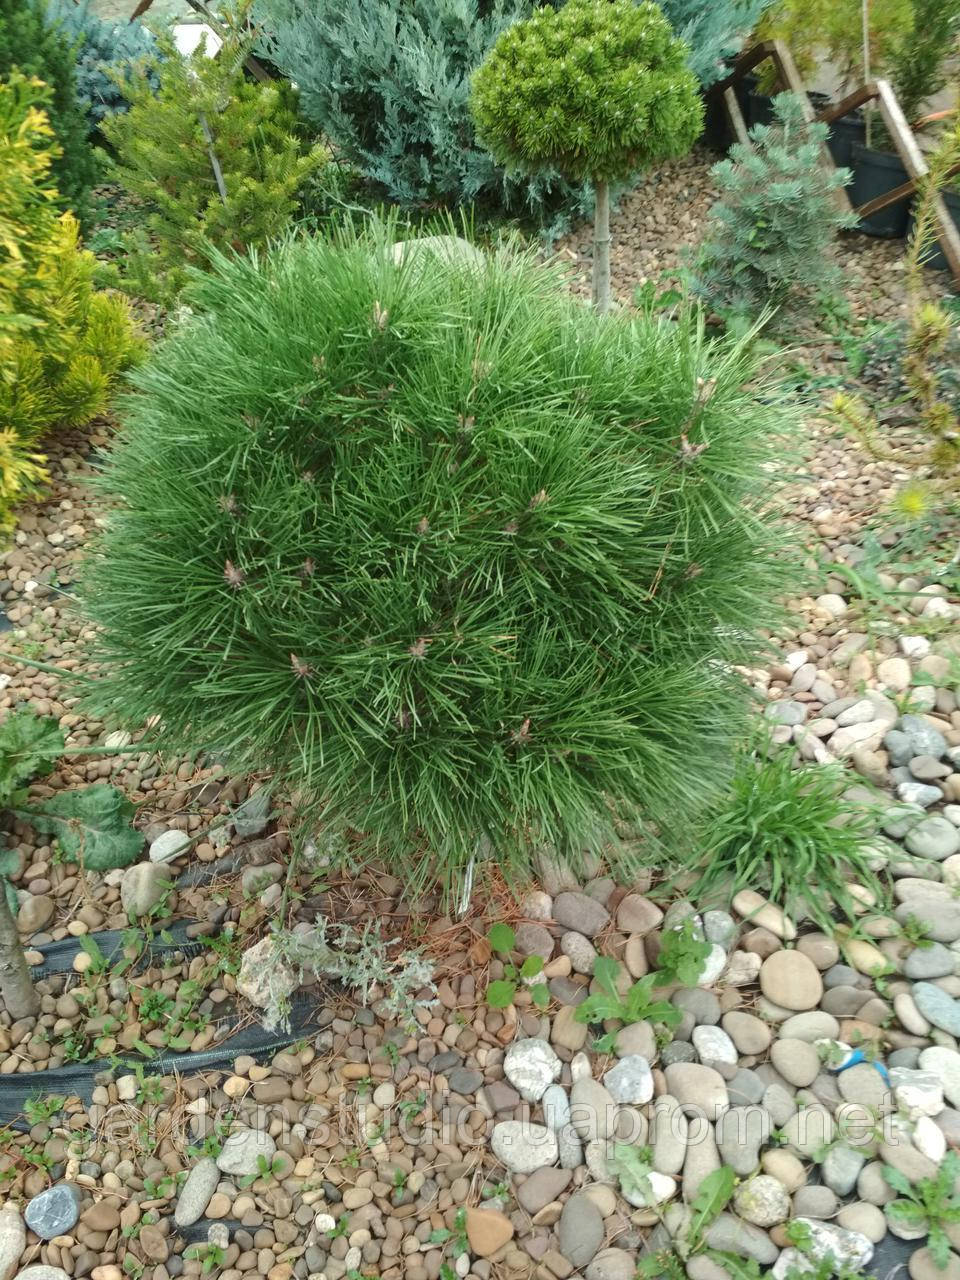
x=447 y=551
x=598 y=90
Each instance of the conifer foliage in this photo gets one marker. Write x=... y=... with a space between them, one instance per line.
x=771 y=233
x=32 y=43
x=448 y=551
x=388 y=81
x=216 y=158
x=62 y=344
x=107 y=54
x=597 y=90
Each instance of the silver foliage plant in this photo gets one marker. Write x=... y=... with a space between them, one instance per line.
x=399 y=983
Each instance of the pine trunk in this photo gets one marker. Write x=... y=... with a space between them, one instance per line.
x=601 y=247
x=16 y=985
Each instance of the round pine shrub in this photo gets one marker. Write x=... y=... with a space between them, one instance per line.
x=441 y=547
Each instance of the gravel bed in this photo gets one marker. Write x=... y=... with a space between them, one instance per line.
x=483 y=1142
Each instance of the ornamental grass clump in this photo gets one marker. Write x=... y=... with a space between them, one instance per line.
x=793 y=831
x=448 y=552
x=597 y=91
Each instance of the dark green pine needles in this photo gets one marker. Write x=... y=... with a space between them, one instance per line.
x=447 y=551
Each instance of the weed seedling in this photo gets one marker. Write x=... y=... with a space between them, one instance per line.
x=40 y=1109
x=683 y=954
x=929 y=1203
x=501 y=992
x=637 y=1005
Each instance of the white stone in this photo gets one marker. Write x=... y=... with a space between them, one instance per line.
x=630 y=1081
x=929 y=1139
x=239 y=1154
x=530 y=1065
x=265 y=978
x=713 y=966
x=580 y=1068
x=914 y=646
x=795 y=660
x=938 y=608
x=168 y=846
x=851 y=1250
x=660 y=1188
x=833 y=604
x=119 y=738
x=945 y=1065
x=894 y=673
x=867 y=736
x=523 y=1147
x=714 y=1045
x=13 y=1240
x=919 y=1093
x=862 y=712
x=743 y=968
x=756 y=909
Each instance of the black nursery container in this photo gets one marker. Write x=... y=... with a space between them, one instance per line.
x=844 y=133
x=874 y=174
x=935 y=258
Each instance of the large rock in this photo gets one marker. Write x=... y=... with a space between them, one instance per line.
x=35 y=913
x=531 y=1065
x=730 y=1234
x=200 y=1185
x=581 y=913
x=944 y=1063
x=791 y=980
x=937 y=1007
x=169 y=845
x=762 y=1201
x=593 y=1111
x=487 y=1231
x=741 y=1132
x=240 y=1154
x=698 y=1089
x=54 y=1211
x=580 y=1230
x=668 y=1135
x=940 y=919
x=143 y=887
x=851 y=1251
x=13 y=1240
x=631 y=1080
x=265 y=978
x=523 y=1147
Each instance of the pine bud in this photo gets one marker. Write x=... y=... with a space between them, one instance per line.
x=300 y=669
x=233 y=576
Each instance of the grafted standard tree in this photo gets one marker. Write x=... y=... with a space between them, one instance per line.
x=597 y=90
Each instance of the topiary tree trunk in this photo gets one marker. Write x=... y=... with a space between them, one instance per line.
x=601 y=247
x=16 y=984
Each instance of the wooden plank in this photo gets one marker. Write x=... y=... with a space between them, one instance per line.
x=744 y=64
x=898 y=193
x=850 y=103
x=736 y=116
x=916 y=167
x=790 y=76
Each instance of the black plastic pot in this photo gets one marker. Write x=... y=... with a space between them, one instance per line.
x=717 y=131
x=844 y=134
x=934 y=258
x=874 y=174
